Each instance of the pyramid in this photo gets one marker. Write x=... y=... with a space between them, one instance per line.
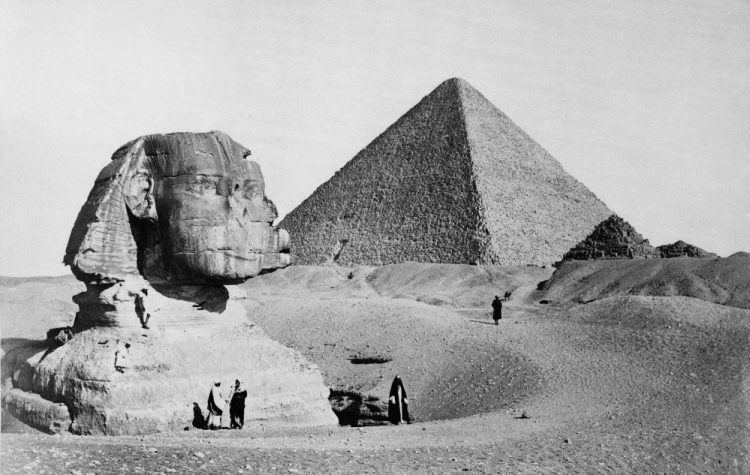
x=613 y=238
x=454 y=180
x=683 y=249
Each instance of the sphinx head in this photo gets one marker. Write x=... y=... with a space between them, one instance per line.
x=184 y=208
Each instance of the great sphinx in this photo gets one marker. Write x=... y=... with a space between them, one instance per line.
x=172 y=223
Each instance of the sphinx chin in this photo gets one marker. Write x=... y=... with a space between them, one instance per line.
x=160 y=321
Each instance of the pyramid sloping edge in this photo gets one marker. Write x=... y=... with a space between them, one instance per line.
x=407 y=196
x=534 y=210
x=487 y=212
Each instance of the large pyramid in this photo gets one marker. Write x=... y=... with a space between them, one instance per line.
x=454 y=181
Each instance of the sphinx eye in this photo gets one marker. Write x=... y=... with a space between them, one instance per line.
x=202 y=186
x=224 y=186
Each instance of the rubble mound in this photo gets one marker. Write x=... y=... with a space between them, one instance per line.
x=452 y=181
x=613 y=238
x=683 y=249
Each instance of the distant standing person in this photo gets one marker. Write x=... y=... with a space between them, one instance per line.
x=497 y=309
x=398 y=404
x=237 y=406
x=216 y=405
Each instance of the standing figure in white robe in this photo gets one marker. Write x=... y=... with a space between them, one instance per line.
x=216 y=406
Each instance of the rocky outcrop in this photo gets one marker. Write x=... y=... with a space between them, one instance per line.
x=683 y=249
x=170 y=221
x=452 y=181
x=613 y=238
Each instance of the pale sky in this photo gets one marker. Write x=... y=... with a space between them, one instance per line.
x=647 y=103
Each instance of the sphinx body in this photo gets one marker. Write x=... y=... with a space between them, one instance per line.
x=172 y=223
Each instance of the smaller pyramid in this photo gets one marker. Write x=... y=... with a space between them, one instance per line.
x=613 y=238
x=683 y=249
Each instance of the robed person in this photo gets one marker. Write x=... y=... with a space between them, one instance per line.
x=216 y=405
x=497 y=309
x=398 y=404
x=237 y=406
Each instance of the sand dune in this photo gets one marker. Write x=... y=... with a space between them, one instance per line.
x=723 y=281
x=626 y=383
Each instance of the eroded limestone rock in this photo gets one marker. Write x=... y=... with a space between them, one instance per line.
x=117 y=378
x=169 y=222
x=181 y=208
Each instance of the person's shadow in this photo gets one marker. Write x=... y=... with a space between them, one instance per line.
x=483 y=322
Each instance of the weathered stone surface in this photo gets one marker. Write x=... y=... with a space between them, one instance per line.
x=141 y=355
x=170 y=220
x=182 y=207
x=613 y=238
x=454 y=181
x=117 y=378
x=683 y=249
x=37 y=412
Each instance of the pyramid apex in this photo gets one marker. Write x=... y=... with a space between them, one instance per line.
x=456 y=81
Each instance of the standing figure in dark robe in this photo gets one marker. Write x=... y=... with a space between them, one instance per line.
x=497 y=309
x=398 y=404
x=199 y=422
x=216 y=405
x=237 y=406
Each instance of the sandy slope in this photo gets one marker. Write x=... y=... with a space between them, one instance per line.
x=623 y=384
x=724 y=281
x=29 y=306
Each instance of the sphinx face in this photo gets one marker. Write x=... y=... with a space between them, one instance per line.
x=214 y=223
x=183 y=208
x=213 y=220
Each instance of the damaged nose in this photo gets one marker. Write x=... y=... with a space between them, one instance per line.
x=237 y=192
x=276 y=260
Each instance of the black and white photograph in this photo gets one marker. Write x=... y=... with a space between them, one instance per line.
x=375 y=237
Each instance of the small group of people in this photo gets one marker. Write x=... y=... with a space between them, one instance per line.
x=398 y=407
x=217 y=405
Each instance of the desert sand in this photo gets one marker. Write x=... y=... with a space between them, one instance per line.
x=650 y=375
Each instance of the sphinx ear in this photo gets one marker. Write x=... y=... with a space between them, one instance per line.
x=138 y=192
